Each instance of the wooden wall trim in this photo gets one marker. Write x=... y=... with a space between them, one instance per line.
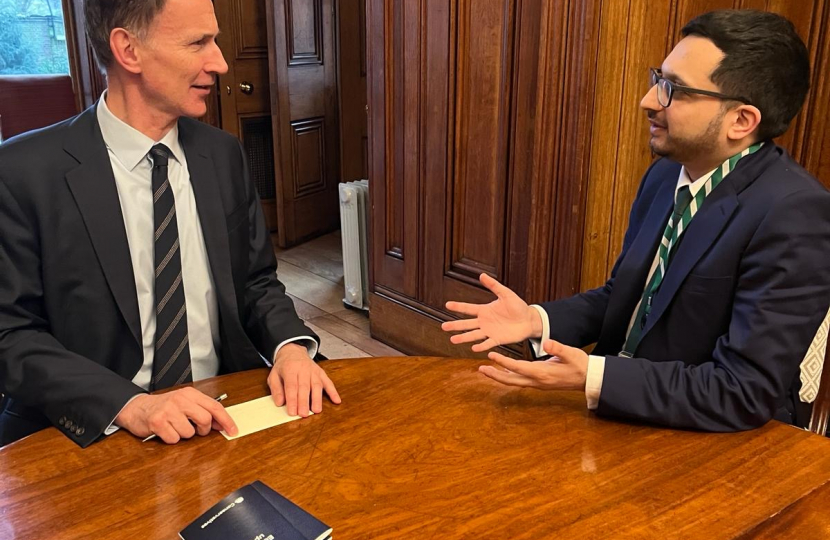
x=87 y=80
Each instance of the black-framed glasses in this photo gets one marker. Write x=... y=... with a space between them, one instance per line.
x=667 y=88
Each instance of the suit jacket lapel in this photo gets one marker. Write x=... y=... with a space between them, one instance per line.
x=211 y=214
x=633 y=271
x=707 y=226
x=93 y=186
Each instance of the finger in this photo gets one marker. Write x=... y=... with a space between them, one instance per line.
x=218 y=412
x=303 y=394
x=523 y=367
x=201 y=419
x=466 y=337
x=463 y=308
x=492 y=284
x=275 y=383
x=290 y=387
x=460 y=325
x=485 y=345
x=328 y=386
x=182 y=425
x=168 y=434
x=317 y=396
x=504 y=377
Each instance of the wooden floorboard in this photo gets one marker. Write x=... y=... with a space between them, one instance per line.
x=354 y=336
x=305 y=310
x=333 y=347
x=313 y=277
x=317 y=291
x=322 y=256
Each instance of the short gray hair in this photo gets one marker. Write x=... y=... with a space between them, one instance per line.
x=103 y=16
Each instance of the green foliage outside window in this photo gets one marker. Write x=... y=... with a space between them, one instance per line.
x=32 y=38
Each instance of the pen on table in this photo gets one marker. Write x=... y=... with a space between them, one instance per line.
x=218 y=398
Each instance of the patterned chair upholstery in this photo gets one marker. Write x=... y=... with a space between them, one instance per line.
x=815 y=381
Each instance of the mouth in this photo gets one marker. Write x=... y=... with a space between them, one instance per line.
x=203 y=87
x=655 y=127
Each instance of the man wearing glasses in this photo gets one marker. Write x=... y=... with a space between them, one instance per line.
x=723 y=278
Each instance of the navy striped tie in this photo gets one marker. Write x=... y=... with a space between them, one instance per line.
x=171 y=364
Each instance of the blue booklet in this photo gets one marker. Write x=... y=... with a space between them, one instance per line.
x=256 y=512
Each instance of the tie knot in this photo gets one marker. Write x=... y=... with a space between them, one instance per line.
x=682 y=200
x=159 y=154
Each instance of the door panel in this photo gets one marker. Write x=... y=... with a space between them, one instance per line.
x=244 y=99
x=303 y=96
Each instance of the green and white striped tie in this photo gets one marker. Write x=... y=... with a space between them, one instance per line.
x=685 y=208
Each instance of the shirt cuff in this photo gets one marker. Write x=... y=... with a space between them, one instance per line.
x=112 y=428
x=309 y=342
x=593 y=380
x=538 y=351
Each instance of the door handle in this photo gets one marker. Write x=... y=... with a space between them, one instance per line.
x=246 y=88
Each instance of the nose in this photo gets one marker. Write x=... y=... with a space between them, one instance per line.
x=649 y=101
x=216 y=63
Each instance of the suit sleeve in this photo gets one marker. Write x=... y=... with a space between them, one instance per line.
x=36 y=370
x=781 y=298
x=577 y=320
x=269 y=314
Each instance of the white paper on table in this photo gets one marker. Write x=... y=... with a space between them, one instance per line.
x=256 y=415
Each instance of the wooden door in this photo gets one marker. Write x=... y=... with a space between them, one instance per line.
x=351 y=39
x=244 y=97
x=303 y=93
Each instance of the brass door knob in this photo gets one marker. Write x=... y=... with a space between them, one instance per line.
x=246 y=87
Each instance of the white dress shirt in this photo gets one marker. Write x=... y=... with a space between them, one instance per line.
x=596 y=364
x=132 y=168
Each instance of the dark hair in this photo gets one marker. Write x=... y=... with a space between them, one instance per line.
x=764 y=60
x=103 y=16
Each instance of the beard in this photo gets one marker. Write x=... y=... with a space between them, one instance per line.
x=684 y=149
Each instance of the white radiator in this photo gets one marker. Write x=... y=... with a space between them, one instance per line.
x=354 y=217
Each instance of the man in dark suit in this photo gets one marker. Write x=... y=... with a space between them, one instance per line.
x=134 y=254
x=723 y=278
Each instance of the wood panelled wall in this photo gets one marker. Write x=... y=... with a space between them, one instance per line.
x=636 y=34
x=506 y=137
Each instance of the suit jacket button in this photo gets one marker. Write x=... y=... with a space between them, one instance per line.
x=62 y=420
x=80 y=431
x=72 y=429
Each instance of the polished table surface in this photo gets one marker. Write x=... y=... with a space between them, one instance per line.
x=428 y=448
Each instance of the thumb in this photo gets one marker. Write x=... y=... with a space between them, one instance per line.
x=554 y=348
x=492 y=284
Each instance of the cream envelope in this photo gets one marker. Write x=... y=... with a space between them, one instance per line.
x=256 y=415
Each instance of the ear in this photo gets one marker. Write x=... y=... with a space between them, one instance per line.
x=124 y=50
x=745 y=121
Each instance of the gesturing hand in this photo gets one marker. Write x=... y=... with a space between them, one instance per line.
x=175 y=415
x=566 y=369
x=295 y=378
x=508 y=319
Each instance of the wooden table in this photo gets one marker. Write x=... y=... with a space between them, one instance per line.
x=428 y=448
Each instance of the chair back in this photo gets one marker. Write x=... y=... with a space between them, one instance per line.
x=30 y=102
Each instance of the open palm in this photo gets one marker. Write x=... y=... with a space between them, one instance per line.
x=507 y=319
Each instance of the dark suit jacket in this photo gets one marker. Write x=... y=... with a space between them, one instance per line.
x=742 y=298
x=70 y=341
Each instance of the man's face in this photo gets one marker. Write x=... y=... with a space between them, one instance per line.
x=180 y=59
x=692 y=126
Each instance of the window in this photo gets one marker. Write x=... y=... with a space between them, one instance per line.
x=32 y=38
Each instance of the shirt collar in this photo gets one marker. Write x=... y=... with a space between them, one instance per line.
x=695 y=186
x=129 y=145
